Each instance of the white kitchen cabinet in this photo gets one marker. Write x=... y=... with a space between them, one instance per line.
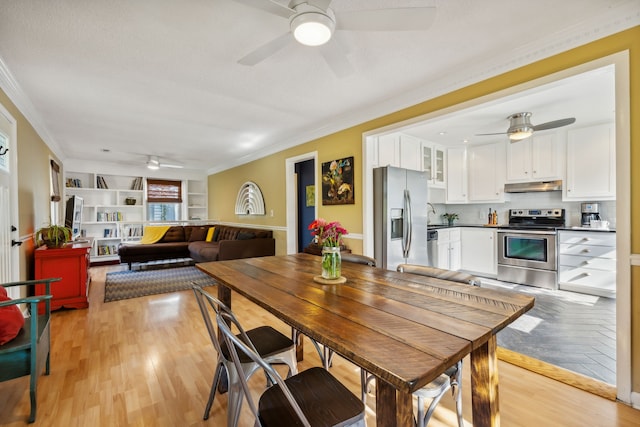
x=587 y=262
x=486 y=173
x=434 y=164
x=479 y=251
x=401 y=151
x=410 y=152
x=388 y=151
x=449 y=249
x=534 y=159
x=456 y=172
x=591 y=161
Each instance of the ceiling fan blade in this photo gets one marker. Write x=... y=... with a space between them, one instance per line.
x=396 y=19
x=266 y=50
x=269 y=7
x=335 y=56
x=554 y=124
x=164 y=165
x=320 y=4
x=485 y=134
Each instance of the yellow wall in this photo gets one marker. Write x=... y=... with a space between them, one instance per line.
x=33 y=183
x=268 y=173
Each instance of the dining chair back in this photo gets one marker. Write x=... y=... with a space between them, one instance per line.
x=439 y=273
x=310 y=398
x=324 y=352
x=273 y=346
x=452 y=377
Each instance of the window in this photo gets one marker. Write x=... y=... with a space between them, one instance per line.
x=164 y=200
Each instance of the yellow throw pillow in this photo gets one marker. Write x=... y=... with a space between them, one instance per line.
x=210 y=234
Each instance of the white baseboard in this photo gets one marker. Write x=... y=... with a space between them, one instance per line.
x=635 y=399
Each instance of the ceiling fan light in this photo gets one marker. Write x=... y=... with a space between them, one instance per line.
x=521 y=133
x=312 y=28
x=152 y=166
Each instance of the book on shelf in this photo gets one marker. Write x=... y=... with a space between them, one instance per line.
x=137 y=183
x=73 y=183
x=101 y=183
x=107 y=250
x=109 y=216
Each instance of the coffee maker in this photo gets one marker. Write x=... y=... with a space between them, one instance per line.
x=590 y=211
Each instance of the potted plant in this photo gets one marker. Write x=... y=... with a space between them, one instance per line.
x=450 y=217
x=54 y=236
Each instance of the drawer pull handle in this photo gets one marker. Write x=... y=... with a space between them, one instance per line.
x=587 y=262
x=587 y=274
x=586 y=251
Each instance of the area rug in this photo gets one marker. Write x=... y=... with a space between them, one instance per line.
x=132 y=284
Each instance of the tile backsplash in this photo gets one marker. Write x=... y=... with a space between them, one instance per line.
x=477 y=213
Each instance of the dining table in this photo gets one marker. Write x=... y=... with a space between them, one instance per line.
x=403 y=328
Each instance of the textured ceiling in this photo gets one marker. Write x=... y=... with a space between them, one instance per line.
x=160 y=77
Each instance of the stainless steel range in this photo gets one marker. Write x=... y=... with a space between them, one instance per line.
x=527 y=247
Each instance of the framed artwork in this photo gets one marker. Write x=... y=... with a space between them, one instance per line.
x=337 y=182
x=310 y=195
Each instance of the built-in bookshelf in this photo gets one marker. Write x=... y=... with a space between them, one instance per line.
x=115 y=209
x=109 y=202
x=196 y=200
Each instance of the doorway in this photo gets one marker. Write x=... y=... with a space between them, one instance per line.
x=9 y=252
x=305 y=200
x=622 y=206
x=295 y=223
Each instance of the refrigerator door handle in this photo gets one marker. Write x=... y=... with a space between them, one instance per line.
x=407 y=227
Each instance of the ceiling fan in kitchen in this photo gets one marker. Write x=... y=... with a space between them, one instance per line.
x=520 y=126
x=313 y=22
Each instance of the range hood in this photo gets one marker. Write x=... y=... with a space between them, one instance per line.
x=531 y=187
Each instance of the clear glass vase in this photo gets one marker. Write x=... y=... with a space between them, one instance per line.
x=331 y=262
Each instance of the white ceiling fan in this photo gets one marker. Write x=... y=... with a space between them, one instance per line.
x=154 y=163
x=312 y=23
x=520 y=126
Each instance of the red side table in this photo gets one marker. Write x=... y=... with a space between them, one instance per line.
x=71 y=263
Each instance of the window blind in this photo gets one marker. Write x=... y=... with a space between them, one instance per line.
x=164 y=191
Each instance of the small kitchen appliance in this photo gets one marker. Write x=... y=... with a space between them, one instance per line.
x=590 y=211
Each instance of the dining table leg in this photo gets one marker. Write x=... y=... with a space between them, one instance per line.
x=393 y=407
x=484 y=384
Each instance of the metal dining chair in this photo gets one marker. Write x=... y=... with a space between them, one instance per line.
x=324 y=352
x=273 y=346
x=313 y=397
x=452 y=377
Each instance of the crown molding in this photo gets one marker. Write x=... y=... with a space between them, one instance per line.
x=24 y=105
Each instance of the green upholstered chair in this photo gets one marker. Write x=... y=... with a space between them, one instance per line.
x=28 y=352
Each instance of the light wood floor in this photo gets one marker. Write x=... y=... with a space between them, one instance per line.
x=148 y=362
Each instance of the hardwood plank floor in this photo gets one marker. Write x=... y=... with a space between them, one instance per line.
x=148 y=362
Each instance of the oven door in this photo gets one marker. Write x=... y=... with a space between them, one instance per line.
x=527 y=248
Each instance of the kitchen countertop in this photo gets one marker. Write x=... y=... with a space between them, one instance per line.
x=441 y=226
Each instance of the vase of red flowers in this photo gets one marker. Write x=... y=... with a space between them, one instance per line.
x=329 y=236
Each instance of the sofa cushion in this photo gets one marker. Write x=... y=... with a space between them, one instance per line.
x=174 y=234
x=243 y=235
x=204 y=251
x=198 y=234
x=11 y=319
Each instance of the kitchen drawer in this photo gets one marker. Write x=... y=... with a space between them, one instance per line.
x=449 y=234
x=608 y=264
x=588 y=250
x=599 y=238
x=588 y=281
x=586 y=276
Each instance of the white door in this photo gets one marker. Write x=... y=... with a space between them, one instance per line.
x=9 y=255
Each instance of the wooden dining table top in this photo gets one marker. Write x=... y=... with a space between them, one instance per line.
x=403 y=328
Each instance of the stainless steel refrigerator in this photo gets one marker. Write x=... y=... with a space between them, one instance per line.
x=400 y=217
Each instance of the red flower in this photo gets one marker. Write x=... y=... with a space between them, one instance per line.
x=327 y=234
